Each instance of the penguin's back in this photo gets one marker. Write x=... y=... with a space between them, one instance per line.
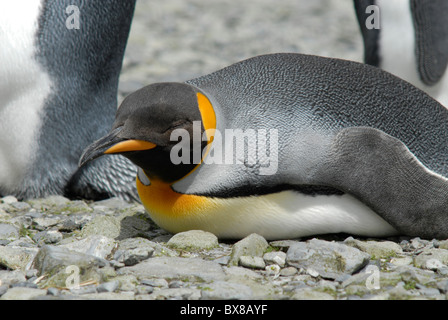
x=296 y=93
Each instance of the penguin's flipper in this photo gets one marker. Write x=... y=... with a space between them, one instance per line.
x=112 y=176
x=381 y=171
x=431 y=35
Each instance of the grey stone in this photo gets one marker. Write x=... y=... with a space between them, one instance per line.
x=275 y=257
x=252 y=262
x=102 y=225
x=8 y=199
x=428 y=254
x=43 y=223
x=61 y=266
x=176 y=294
x=222 y=290
x=176 y=268
x=8 y=232
x=22 y=293
x=11 y=277
x=109 y=286
x=311 y=294
x=135 y=223
x=16 y=257
x=48 y=202
x=51 y=258
x=97 y=245
x=3 y=289
x=48 y=237
x=288 y=271
x=133 y=256
x=252 y=245
x=20 y=206
x=193 y=240
x=158 y=283
x=377 y=249
x=329 y=259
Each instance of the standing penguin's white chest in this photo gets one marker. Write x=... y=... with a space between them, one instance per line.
x=24 y=87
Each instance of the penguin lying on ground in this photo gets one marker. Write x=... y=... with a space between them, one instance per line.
x=325 y=146
x=60 y=62
x=410 y=41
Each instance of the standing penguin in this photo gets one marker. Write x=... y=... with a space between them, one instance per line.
x=410 y=41
x=322 y=146
x=60 y=62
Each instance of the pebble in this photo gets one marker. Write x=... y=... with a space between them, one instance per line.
x=252 y=245
x=193 y=240
x=8 y=232
x=330 y=259
x=252 y=262
x=121 y=254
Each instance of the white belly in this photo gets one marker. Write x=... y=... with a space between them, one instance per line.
x=23 y=89
x=283 y=215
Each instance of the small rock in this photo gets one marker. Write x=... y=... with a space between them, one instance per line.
x=329 y=259
x=252 y=262
x=53 y=291
x=401 y=261
x=252 y=245
x=98 y=246
x=175 y=294
x=377 y=249
x=158 y=283
x=44 y=223
x=59 y=263
x=312 y=272
x=20 y=206
x=8 y=199
x=53 y=201
x=23 y=293
x=48 y=237
x=273 y=270
x=311 y=294
x=16 y=257
x=103 y=226
x=133 y=256
x=275 y=257
x=288 y=271
x=8 y=232
x=428 y=254
x=176 y=268
x=11 y=277
x=3 y=289
x=433 y=264
x=222 y=290
x=193 y=240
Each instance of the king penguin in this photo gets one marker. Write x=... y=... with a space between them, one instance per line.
x=60 y=63
x=290 y=145
x=410 y=40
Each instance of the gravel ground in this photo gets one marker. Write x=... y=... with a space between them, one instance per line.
x=56 y=248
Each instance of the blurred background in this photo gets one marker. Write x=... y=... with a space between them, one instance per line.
x=176 y=40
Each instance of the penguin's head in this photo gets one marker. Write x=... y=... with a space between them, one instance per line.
x=144 y=126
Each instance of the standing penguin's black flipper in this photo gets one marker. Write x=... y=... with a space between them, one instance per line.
x=431 y=33
x=409 y=40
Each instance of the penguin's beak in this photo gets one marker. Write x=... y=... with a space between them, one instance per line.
x=111 y=144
